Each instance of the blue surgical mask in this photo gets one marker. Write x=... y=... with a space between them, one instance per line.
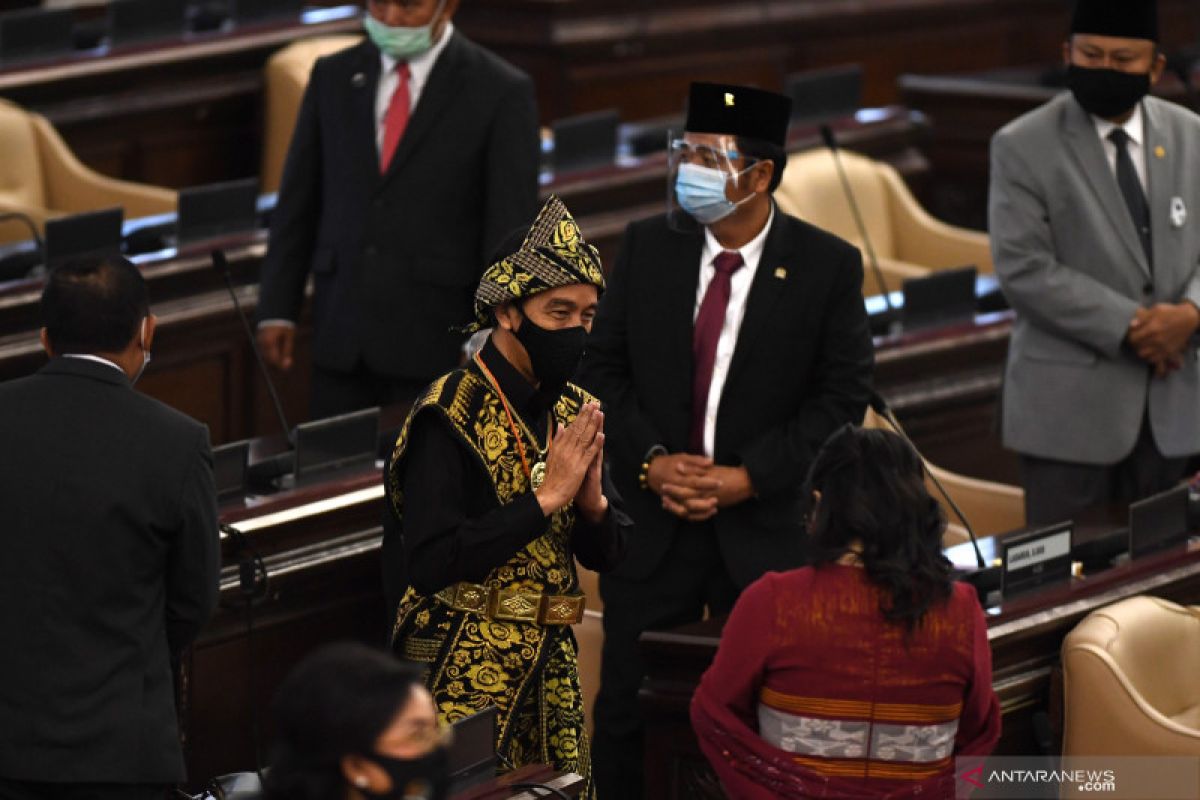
x=402 y=43
x=701 y=193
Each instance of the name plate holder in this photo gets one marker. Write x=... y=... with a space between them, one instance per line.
x=1159 y=522
x=1036 y=559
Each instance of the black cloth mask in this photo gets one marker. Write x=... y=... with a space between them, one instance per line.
x=424 y=778
x=554 y=355
x=1107 y=93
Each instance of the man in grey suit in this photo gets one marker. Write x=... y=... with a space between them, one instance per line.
x=1092 y=205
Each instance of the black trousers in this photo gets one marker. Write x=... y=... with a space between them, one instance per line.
x=34 y=790
x=691 y=577
x=335 y=392
x=1057 y=491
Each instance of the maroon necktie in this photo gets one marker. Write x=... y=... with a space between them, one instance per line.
x=396 y=119
x=705 y=336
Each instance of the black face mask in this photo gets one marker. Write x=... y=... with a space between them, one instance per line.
x=424 y=778
x=553 y=354
x=1107 y=93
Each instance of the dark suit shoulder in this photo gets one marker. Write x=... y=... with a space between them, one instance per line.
x=798 y=233
x=485 y=64
x=160 y=414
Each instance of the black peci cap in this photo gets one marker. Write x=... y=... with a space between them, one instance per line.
x=1127 y=19
x=739 y=111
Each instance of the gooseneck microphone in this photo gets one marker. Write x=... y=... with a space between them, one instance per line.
x=29 y=223
x=831 y=142
x=221 y=265
x=880 y=407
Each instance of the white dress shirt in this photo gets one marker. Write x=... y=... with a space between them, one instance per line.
x=739 y=291
x=97 y=359
x=418 y=69
x=1135 y=128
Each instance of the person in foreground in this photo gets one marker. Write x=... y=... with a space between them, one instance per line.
x=111 y=556
x=1093 y=222
x=866 y=673
x=497 y=484
x=353 y=723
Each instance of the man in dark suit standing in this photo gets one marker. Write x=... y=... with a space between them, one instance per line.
x=110 y=546
x=414 y=153
x=733 y=340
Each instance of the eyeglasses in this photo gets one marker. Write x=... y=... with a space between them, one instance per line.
x=439 y=735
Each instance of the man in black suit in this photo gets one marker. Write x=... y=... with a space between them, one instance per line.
x=733 y=340
x=110 y=551
x=414 y=153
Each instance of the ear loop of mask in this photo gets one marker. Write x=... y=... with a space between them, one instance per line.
x=145 y=351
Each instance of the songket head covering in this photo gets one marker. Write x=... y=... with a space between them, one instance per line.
x=1127 y=19
x=551 y=255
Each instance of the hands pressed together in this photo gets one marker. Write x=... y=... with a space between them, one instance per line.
x=575 y=466
x=694 y=488
x=1160 y=334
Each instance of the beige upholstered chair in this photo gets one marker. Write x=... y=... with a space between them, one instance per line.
x=991 y=507
x=907 y=241
x=286 y=76
x=589 y=635
x=1131 y=680
x=42 y=178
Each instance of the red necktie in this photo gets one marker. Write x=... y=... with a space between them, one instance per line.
x=396 y=119
x=705 y=336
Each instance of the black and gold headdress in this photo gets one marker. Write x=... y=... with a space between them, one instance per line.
x=553 y=254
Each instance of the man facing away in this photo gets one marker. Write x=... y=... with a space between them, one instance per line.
x=414 y=153
x=110 y=546
x=1096 y=243
x=732 y=342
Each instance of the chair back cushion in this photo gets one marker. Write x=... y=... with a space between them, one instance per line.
x=21 y=179
x=812 y=190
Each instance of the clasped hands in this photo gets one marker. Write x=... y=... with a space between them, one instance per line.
x=1160 y=334
x=575 y=467
x=694 y=488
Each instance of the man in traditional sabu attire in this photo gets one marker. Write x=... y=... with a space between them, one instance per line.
x=496 y=485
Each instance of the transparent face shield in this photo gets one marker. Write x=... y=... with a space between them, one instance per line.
x=707 y=179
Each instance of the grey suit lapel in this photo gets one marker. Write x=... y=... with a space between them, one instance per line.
x=1163 y=174
x=1088 y=152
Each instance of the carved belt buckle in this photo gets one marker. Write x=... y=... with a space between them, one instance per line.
x=470 y=597
x=558 y=609
x=516 y=606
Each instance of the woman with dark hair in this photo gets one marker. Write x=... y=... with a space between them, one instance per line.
x=353 y=723
x=866 y=673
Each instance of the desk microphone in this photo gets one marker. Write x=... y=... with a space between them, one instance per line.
x=221 y=265
x=831 y=142
x=33 y=231
x=880 y=407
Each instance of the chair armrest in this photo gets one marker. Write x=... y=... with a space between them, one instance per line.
x=990 y=507
x=72 y=187
x=17 y=231
x=921 y=239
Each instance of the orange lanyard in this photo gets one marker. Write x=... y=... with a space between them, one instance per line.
x=512 y=421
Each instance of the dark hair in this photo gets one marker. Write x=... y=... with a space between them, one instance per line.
x=872 y=486
x=765 y=151
x=94 y=305
x=336 y=702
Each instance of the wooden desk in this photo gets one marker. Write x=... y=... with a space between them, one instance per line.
x=173 y=112
x=1025 y=636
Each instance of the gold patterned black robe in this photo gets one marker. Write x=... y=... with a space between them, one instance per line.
x=527 y=670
